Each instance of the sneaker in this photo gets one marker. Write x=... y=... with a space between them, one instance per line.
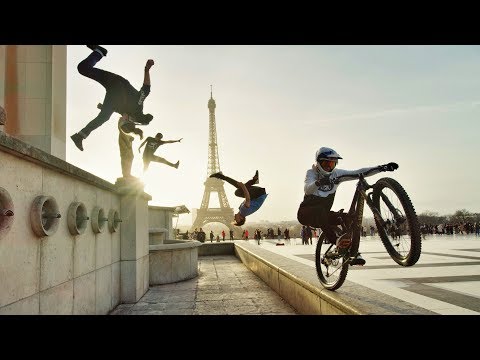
x=256 y=177
x=176 y=165
x=77 y=139
x=99 y=48
x=358 y=260
x=143 y=119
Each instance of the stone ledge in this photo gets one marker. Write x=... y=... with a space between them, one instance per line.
x=157 y=230
x=216 y=248
x=298 y=284
x=32 y=154
x=175 y=245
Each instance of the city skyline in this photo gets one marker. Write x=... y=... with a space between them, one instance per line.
x=276 y=105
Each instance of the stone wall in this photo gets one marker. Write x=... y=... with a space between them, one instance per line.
x=61 y=273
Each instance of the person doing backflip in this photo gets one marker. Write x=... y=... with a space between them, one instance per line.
x=254 y=196
x=151 y=147
x=321 y=182
x=120 y=97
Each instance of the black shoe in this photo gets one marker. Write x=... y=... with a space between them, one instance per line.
x=255 y=177
x=99 y=48
x=143 y=119
x=77 y=139
x=358 y=260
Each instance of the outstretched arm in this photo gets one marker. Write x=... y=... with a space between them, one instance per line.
x=146 y=74
x=346 y=175
x=245 y=192
x=172 y=141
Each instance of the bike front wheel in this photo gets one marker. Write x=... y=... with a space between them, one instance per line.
x=398 y=227
x=330 y=265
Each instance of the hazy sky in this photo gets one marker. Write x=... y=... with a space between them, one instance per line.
x=276 y=105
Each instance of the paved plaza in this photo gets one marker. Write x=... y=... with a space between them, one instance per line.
x=224 y=286
x=445 y=280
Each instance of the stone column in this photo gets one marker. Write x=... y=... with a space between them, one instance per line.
x=35 y=95
x=134 y=240
x=3 y=114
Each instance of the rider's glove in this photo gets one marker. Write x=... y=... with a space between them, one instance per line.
x=389 y=167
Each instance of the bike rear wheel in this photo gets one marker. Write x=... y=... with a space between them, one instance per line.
x=330 y=265
x=399 y=229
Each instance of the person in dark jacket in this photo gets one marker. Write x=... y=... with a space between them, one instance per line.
x=120 y=97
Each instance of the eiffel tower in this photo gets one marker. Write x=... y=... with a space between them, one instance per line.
x=206 y=214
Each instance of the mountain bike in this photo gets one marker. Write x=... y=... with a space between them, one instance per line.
x=397 y=225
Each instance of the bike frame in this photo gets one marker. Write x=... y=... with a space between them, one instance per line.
x=361 y=190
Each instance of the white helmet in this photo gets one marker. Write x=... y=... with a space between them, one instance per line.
x=327 y=155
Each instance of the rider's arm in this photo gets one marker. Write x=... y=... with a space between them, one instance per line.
x=347 y=175
x=245 y=192
x=310 y=187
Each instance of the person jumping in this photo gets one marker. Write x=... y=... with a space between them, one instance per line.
x=254 y=196
x=121 y=96
x=151 y=147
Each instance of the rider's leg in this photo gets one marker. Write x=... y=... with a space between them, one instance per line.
x=329 y=233
x=324 y=220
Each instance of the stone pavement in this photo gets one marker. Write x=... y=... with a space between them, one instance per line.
x=445 y=280
x=224 y=286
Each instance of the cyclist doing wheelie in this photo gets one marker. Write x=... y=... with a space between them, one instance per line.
x=321 y=182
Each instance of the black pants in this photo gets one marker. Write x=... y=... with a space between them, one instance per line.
x=255 y=191
x=314 y=211
x=114 y=85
